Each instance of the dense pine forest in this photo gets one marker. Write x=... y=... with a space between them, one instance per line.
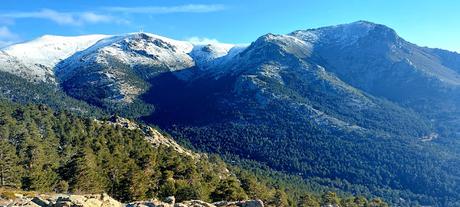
x=46 y=151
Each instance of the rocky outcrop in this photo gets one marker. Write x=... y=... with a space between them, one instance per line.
x=169 y=202
x=104 y=200
x=152 y=135
x=248 y=203
x=90 y=200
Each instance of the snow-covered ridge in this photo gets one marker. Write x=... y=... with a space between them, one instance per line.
x=48 y=50
x=206 y=55
x=130 y=49
x=45 y=57
x=49 y=56
x=343 y=34
x=38 y=57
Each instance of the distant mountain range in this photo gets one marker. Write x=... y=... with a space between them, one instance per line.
x=354 y=103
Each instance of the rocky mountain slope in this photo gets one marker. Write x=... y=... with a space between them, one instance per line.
x=378 y=61
x=152 y=135
x=352 y=102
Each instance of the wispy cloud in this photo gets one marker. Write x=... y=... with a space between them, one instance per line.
x=7 y=37
x=205 y=41
x=63 y=18
x=202 y=40
x=5 y=33
x=189 y=8
x=105 y=14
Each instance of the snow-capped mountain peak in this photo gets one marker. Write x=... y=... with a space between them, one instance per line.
x=43 y=58
x=204 y=54
x=131 y=49
x=38 y=57
x=344 y=34
x=48 y=50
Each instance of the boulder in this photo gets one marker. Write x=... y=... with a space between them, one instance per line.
x=330 y=205
x=40 y=202
x=104 y=200
x=248 y=203
x=170 y=200
x=252 y=203
x=93 y=200
x=150 y=203
x=194 y=203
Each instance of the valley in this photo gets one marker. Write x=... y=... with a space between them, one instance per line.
x=352 y=108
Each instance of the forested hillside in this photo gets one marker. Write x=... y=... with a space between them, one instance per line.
x=47 y=151
x=352 y=108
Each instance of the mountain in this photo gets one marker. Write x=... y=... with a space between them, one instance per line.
x=276 y=103
x=54 y=158
x=116 y=70
x=354 y=104
x=376 y=60
x=102 y=70
x=36 y=59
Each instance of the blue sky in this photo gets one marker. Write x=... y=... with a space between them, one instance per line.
x=424 y=22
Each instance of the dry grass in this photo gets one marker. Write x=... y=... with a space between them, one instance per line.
x=10 y=193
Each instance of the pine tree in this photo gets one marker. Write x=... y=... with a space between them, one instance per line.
x=254 y=188
x=330 y=198
x=186 y=191
x=9 y=169
x=377 y=202
x=84 y=173
x=360 y=201
x=228 y=190
x=280 y=199
x=308 y=200
x=40 y=164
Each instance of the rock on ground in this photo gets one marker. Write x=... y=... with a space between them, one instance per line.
x=104 y=200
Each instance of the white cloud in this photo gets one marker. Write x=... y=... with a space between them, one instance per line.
x=202 y=40
x=88 y=17
x=189 y=8
x=95 y=18
x=7 y=37
x=205 y=41
x=63 y=18
x=5 y=33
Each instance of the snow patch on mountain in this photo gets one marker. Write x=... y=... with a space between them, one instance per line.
x=48 y=50
x=38 y=57
x=203 y=54
x=208 y=55
x=132 y=49
x=49 y=56
x=343 y=34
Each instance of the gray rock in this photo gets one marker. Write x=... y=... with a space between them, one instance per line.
x=248 y=203
x=195 y=203
x=40 y=202
x=170 y=200
x=104 y=200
